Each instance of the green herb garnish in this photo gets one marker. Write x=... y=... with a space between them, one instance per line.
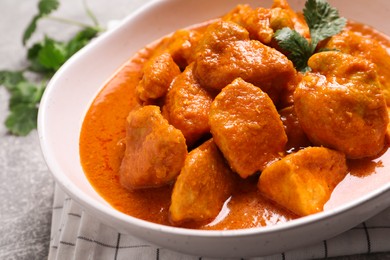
x=45 y=7
x=45 y=58
x=323 y=21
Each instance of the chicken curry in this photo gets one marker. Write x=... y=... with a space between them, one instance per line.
x=214 y=127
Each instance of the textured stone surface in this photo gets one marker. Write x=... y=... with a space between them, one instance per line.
x=26 y=185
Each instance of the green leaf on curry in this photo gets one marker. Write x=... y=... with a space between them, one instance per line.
x=323 y=21
x=300 y=48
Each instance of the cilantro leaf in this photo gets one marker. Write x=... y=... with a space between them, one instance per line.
x=22 y=119
x=300 y=50
x=48 y=56
x=323 y=20
x=81 y=39
x=23 y=107
x=27 y=93
x=32 y=56
x=52 y=54
x=10 y=79
x=30 y=29
x=45 y=58
x=45 y=7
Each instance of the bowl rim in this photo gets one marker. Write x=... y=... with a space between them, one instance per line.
x=87 y=202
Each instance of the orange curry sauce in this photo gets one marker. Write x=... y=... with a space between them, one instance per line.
x=102 y=148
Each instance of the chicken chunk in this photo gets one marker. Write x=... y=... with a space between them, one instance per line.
x=157 y=77
x=303 y=182
x=155 y=151
x=296 y=137
x=246 y=127
x=226 y=53
x=367 y=48
x=187 y=106
x=204 y=184
x=297 y=19
x=262 y=23
x=387 y=138
x=181 y=45
x=340 y=105
x=257 y=22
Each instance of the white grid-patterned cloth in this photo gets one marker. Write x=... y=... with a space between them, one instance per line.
x=77 y=235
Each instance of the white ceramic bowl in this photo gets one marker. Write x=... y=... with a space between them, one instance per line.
x=73 y=88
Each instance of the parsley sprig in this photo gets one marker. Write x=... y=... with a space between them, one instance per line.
x=44 y=57
x=323 y=21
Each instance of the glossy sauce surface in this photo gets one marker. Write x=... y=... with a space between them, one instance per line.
x=101 y=150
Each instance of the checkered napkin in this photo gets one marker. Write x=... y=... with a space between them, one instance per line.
x=78 y=235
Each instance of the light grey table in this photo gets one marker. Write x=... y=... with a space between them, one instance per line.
x=26 y=185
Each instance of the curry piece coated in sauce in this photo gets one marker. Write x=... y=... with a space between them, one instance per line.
x=234 y=108
x=181 y=45
x=187 y=106
x=366 y=48
x=158 y=74
x=155 y=151
x=226 y=52
x=296 y=137
x=204 y=184
x=262 y=23
x=340 y=105
x=247 y=128
x=305 y=179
